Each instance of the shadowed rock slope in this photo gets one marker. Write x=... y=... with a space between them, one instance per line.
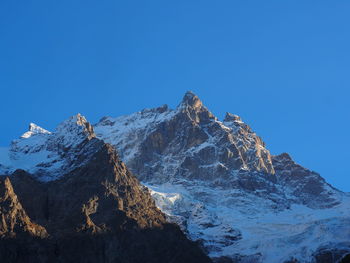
x=96 y=212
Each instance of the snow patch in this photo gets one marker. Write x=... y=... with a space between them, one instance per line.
x=229 y=224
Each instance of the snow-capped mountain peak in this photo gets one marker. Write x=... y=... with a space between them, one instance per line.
x=76 y=124
x=74 y=130
x=218 y=180
x=49 y=154
x=191 y=140
x=34 y=129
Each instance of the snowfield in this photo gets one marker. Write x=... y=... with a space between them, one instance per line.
x=249 y=226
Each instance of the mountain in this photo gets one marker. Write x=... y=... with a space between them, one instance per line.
x=65 y=196
x=220 y=183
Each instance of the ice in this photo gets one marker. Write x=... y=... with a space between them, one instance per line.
x=277 y=235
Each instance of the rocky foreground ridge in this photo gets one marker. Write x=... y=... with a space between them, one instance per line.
x=80 y=203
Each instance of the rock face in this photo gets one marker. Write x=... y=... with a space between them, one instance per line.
x=161 y=144
x=307 y=186
x=50 y=155
x=220 y=183
x=95 y=210
x=14 y=219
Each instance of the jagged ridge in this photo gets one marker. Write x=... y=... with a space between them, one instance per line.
x=94 y=211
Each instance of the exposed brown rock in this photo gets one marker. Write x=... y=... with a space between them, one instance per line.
x=14 y=220
x=97 y=213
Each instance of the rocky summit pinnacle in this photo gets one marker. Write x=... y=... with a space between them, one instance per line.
x=192 y=107
x=76 y=125
x=192 y=100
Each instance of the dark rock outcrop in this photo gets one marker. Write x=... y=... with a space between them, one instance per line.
x=14 y=220
x=332 y=255
x=96 y=212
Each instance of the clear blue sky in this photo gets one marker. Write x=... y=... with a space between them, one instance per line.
x=283 y=66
